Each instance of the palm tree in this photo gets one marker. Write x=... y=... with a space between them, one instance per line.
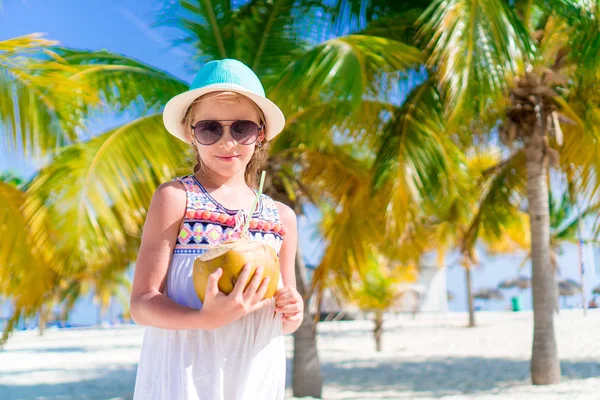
x=49 y=90
x=481 y=212
x=564 y=220
x=379 y=290
x=532 y=66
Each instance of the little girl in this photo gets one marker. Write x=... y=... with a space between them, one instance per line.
x=230 y=347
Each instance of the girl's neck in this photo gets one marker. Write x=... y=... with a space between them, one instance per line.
x=214 y=181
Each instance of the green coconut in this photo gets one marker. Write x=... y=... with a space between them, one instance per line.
x=231 y=257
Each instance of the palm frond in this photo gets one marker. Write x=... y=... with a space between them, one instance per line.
x=315 y=126
x=120 y=80
x=351 y=68
x=498 y=208
x=27 y=274
x=346 y=187
x=206 y=25
x=267 y=36
x=580 y=153
x=98 y=192
x=416 y=156
x=39 y=107
x=582 y=20
x=476 y=48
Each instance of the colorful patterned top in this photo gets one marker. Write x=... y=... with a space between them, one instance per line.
x=207 y=222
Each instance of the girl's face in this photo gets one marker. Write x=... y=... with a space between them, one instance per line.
x=226 y=157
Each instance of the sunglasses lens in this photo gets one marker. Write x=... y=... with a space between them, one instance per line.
x=208 y=132
x=245 y=132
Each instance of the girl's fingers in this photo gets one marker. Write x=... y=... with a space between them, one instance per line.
x=260 y=304
x=284 y=290
x=288 y=299
x=292 y=318
x=240 y=284
x=212 y=288
x=284 y=302
x=254 y=282
x=290 y=309
x=263 y=287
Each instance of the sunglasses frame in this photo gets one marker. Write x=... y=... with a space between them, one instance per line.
x=260 y=128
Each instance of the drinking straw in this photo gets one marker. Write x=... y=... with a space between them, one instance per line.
x=260 y=189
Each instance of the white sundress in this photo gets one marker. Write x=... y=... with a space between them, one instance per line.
x=244 y=360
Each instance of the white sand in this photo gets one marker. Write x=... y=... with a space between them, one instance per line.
x=427 y=358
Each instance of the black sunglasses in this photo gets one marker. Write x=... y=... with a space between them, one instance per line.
x=243 y=131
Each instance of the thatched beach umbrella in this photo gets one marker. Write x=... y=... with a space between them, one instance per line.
x=488 y=294
x=522 y=283
x=568 y=287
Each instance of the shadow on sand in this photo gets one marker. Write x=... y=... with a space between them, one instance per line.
x=106 y=384
x=444 y=376
x=432 y=377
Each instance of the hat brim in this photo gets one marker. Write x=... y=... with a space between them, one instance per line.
x=176 y=107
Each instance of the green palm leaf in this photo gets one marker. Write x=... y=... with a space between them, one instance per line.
x=347 y=190
x=121 y=80
x=206 y=26
x=416 y=156
x=350 y=211
x=321 y=125
x=38 y=110
x=266 y=36
x=583 y=29
x=27 y=275
x=97 y=192
x=580 y=153
x=351 y=68
x=476 y=49
x=498 y=205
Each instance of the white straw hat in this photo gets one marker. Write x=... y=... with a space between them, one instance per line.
x=223 y=75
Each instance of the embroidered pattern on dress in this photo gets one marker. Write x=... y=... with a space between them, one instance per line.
x=207 y=222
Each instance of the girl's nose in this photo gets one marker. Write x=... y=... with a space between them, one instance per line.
x=227 y=139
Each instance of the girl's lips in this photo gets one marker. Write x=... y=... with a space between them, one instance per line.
x=229 y=158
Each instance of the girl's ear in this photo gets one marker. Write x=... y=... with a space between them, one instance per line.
x=189 y=138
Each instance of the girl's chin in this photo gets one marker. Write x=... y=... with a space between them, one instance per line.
x=229 y=168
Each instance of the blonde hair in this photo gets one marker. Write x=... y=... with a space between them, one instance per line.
x=261 y=153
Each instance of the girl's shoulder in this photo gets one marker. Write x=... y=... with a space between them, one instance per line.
x=167 y=204
x=278 y=210
x=187 y=181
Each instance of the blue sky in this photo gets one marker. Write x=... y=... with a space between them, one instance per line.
x=124 y=26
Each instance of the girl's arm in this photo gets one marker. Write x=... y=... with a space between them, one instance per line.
x=149 y=306
x=287 y=260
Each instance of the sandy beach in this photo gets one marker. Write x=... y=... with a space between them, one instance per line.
x=430 y=357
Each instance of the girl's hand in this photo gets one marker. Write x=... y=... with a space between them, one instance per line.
x=221 y=309
x=289 y=302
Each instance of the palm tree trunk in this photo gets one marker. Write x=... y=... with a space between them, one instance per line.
x=545 y=368
x=470 y=297
x=378 y=331
x=307 y=378
x=42 y=320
